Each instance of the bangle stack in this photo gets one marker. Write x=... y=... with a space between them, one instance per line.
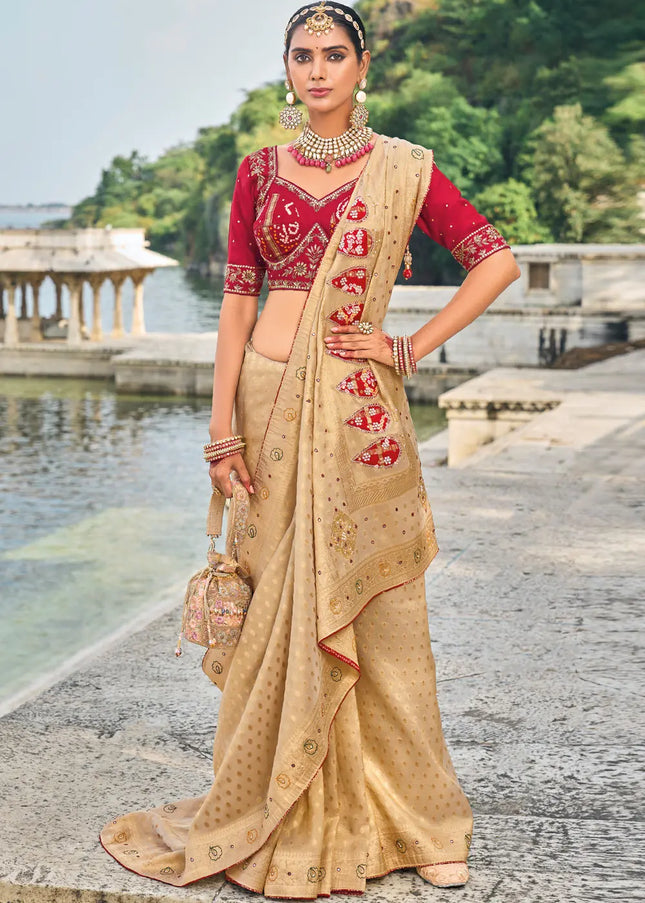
x=222 y=448
x=403 y=355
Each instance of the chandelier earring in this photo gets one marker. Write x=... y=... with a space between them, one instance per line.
x=290 y=118
x=360 y=114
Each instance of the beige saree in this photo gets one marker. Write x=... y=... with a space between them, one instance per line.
x=330 y=765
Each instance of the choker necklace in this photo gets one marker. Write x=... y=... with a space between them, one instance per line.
x=310 y=149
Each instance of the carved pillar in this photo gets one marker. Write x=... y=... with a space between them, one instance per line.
x=97 y=330
x=117 y=329
x=23 y=301
x=36 y=332
x=81 y=308
x=59 y=299
x=11 y=320
x=138 y=324
x=74 y=285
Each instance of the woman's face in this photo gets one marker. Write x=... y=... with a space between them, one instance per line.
x=324 y=69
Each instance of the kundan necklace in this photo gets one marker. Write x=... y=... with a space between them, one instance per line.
x=310 y=149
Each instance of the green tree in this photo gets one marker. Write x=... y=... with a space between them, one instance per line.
x=428 y=109
x=205 y=221
x=584 y=186
x=482 y=82
x=509 y=206
x=627 y=112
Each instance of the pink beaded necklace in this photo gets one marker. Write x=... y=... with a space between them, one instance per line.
x=309 y=149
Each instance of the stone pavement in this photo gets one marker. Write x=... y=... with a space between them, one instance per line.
x=534 y=605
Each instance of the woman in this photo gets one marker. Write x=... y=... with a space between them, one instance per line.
x=330 y=763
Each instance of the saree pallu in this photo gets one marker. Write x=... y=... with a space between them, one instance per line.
x=330 y=765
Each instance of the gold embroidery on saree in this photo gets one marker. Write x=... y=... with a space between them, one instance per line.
x=312 y=602
x=343 y=534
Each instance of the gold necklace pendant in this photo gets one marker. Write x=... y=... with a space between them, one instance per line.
x=310 y=149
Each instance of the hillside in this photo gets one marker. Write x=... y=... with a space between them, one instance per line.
x=535 y=111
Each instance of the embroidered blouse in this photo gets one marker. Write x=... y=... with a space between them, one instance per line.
x=280 y=229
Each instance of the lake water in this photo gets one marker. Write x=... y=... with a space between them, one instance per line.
x=103 y=501
x=102 y=506
x=29 y=217
x=103 y=497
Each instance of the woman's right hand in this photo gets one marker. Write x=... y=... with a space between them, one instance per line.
x=219 y=472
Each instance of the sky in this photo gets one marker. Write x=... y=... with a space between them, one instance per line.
x=84 y=80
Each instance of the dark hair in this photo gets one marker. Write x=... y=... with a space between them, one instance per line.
x=339 y=13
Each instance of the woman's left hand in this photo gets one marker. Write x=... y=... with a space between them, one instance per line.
x=377 y=346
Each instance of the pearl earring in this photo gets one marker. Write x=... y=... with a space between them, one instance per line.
x=360 y=114
x=290 y=118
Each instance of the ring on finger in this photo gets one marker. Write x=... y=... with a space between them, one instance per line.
x=216 y=489
x=366 y=327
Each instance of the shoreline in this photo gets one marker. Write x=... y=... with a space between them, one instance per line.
x=170 y=598
x=534 y=638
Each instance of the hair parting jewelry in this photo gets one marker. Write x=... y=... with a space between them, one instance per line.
x=310 y=149
x=403 y=356
x=321 y=23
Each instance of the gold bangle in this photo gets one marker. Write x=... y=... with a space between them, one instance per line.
x=211 y=456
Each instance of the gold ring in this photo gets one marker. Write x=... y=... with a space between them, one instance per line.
x=365 y=327
x=216 y=491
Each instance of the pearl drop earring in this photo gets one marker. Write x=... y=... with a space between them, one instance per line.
x=290 y=118
x=360 y=114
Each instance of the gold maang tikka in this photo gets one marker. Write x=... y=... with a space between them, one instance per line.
x=320 y=22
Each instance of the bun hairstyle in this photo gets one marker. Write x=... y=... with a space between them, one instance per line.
x=345 y=16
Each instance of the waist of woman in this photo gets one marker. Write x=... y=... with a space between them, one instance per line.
x=276 y=327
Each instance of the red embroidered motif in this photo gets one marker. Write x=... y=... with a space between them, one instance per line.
x=350 y=313
x=243 y=280
x=296 y=270
x=383 y=453
x=358 y=211
x=277 y=226
x=480 y=244
x=352 y=282
x=373 y=418
x=263 y=167
x=361 y=382
x=357 y=243
x=284 y=237
x=339 y=212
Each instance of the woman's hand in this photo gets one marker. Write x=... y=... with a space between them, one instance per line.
x=219 y=472
x=377 y=346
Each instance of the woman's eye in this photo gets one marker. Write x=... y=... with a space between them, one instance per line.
x=336 y=57
x=301 y=57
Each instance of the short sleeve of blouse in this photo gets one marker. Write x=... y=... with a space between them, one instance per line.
x=452 y=221
x=245 y=268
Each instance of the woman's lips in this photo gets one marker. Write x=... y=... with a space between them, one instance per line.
x=319 y=92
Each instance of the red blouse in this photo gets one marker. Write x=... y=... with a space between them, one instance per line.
x=278 y=228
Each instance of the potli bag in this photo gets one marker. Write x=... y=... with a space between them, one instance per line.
x=217 y=597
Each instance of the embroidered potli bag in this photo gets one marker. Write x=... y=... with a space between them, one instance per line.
x=217 y=597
